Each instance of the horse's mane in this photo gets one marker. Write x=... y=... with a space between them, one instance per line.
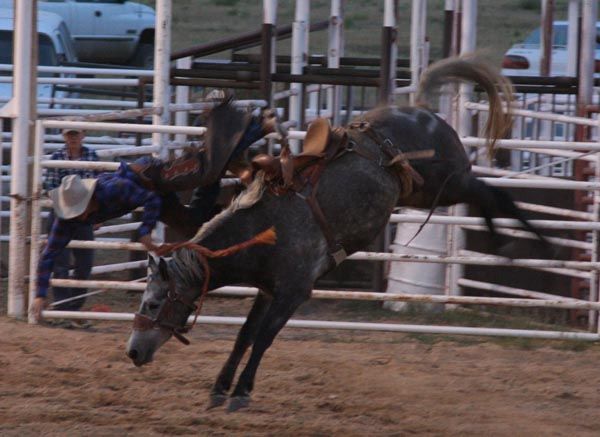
x=185 y=267
x=244 y=200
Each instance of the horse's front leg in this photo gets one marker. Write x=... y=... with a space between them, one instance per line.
x=285 y=302
x=245 y=338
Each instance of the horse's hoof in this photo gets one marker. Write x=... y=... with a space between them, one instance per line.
x=216 y=400
x=237 y=403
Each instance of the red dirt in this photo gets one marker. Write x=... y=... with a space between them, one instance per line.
x=63 y=382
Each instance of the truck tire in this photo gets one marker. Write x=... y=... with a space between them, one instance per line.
x=144 y=56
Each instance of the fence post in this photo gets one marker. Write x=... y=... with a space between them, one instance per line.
x=467 y=45
x=334 y=53
x=572 y=38
x=162 y=56
x=161 y=90
x=24 y=80
x=267 y=64
x=446 y=92
x=298 y=62
x=387 y=75
x=182 y=95
x=546 y=37
x=584 y=99
x=417 y=43
x=36 y=212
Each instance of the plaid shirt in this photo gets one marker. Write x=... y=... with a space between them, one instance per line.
x=55 y=175
x=117 y=194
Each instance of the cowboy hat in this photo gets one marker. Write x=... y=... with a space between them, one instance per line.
x=71 y=129
x=72 y=197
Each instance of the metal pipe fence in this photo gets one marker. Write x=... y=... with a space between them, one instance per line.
x=320 y=104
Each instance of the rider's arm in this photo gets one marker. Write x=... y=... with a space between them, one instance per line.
x=133 y=195
x=152 y=204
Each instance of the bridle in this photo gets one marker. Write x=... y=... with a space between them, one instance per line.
x=142 y=322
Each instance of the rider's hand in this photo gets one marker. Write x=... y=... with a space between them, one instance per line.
x=246 y=177
x=37 y=307
x=164 y=249
x=146 y=240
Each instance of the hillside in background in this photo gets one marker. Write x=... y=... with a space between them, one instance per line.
x=500 y=23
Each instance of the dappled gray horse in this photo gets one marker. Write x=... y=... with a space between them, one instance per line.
x=356 y=196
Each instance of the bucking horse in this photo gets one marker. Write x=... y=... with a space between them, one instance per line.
x=328 y=202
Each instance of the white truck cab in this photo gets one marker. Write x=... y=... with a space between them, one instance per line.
x=55 y=43
x=108 y=31
x=524 y=58
x=55 y=47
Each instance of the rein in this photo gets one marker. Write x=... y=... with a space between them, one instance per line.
x=142 y=322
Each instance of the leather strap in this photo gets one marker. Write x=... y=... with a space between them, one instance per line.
x=306 y=180
x=308 y=192
x=396 y=159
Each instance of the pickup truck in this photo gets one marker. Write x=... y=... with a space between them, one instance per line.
x=523 y=59
x=54 y=48
x=108 y=31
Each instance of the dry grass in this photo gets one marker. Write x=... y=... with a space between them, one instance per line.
x=500 y=23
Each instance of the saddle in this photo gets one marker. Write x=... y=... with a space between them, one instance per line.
x=320 y=144
x=323 y=144
x=300 y=174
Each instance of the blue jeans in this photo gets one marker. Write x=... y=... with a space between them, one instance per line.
x=82 y=264
x=150 y=173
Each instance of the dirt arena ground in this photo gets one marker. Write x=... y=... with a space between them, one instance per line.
x=78 y=382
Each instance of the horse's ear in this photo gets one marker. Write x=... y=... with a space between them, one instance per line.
x=152 y=264
x=163 y=270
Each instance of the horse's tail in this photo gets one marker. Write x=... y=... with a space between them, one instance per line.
x=470 y=69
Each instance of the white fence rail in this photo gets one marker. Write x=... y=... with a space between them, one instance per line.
x=565 y=149
x=564 y=267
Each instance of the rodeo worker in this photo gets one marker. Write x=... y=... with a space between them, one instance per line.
x=80 y=259
x=153 y=184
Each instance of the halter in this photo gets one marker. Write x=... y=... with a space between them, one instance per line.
x=142 y=322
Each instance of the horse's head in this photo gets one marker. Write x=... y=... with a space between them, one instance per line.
x=166 y=304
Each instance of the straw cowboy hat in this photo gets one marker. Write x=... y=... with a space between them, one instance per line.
x=72 y=197
x=68 y=130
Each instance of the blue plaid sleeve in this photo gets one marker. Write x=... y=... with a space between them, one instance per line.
x=151 y=214
x=60 y=235
x=131 y=195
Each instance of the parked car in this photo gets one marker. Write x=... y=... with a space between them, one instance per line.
x=108 y=31
x=523 y=59
x=55 y=47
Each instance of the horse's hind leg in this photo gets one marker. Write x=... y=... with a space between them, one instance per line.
x=245 y=338
x=285 y=302
x=479 y=194
x=494 y=201
x=507 y=206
